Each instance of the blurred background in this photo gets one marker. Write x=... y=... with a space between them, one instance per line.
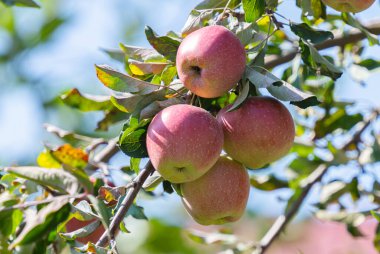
x=46 y=51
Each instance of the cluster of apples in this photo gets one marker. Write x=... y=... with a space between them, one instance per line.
x=185 y=142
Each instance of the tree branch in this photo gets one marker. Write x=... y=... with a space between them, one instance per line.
x=125 y=205
x=339 y=40
x=307 y=184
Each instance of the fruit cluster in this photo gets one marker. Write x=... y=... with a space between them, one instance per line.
x=185 y=142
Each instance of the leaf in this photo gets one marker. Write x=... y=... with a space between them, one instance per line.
x=168 y=75
x=57 y=179
x=152 y=181
x=152 y=109
x=132 y=140
x=331 y=192
x=143 y=68
x=135 y=164
x=142 y=54
x=338 y=120
x=317 y=62
x=349 y=19
x=101 y=210
x=85 y=102
x=376 y=215
x=313 y=8
x=197 y=19
x=280 y=89
x=375 y=155
x=81 y=232
x=43 y=222
x=116 y=54
x=69 y=155
x=82 y=211
x=46 y=160
x=120 y=82
x=165 y=45
x=212 y=237
x=92 y=249
x=137 y=212
x=131 y=103
x=111 y=117
x=268 y=182
x=212 y=4
x=9 y=219
x=111 y=195
x=245 y=32
x=253 y=9
x=26 y=3
x=271 y=4
x=369 y=64
x=308 y=33
x=241 y=98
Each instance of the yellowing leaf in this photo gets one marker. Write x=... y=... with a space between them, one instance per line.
x=46 y=160
x=72 y=156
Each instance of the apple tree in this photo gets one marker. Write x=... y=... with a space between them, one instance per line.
x=229 y=79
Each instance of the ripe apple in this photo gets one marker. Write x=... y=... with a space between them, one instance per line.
x=259 y=132
x=210 y=61
x=349 y=5
x=75 y=224
x=184 y=142
x=220 y=195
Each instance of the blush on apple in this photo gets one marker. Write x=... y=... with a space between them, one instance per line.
x=219 y=196
x=259 y=132
x=210 y=61
x=183 y=142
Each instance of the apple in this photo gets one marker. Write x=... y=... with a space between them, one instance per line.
x=210 y=61
x=260 y=131
x=75 y=224
x=349 y=5
x=183 y=142
x=219 y=196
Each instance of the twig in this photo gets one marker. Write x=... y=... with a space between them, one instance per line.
x=125 y=205
x=307 y=184
x=281 y=222
x=355 y=36
x=39 y=202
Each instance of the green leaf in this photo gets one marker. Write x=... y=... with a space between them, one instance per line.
x=102 y=210
x=143 y=68
x=197 y=19
x=82 y=211
x=168 y=75
x=165 y=45
x=9 y=219
x=92 y=248
x=137 y=212
x=271 y=4
x=27 y=3
x=308 y=33
x=116 y=54
x=111 y=117
x=313 y=8
x=349 y=19
x=132 y=140
x=85 y=102
x=317 y=62
x=376 y=215
x=43 y=222
x=212 y=4
x=338 y=120
x=132 y=103
x=81 y=232
x=57 y=179
x=141 y=54
x=280 y=89
x=375 y=155
x=268 y=183
x=121 y=82
x=153 y=181
x=241 y=98
x=331 y=192
x=253 y=9
x=370 y=64
x=135 y=164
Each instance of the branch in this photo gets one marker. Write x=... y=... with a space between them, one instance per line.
x=281 y=222
x=125 y=205
x=339 y=40
x=307 y=184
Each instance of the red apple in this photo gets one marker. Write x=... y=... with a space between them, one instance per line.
x=184 y=142
x=349 y=5
x=259 y=132
x=210 y=61
x=219 y=196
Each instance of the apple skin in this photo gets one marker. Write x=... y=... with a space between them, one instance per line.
x=259 y=132
x=75 y=224
x=220 y=196
x=210 y=61
x=349 y=5
x=184 y=142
